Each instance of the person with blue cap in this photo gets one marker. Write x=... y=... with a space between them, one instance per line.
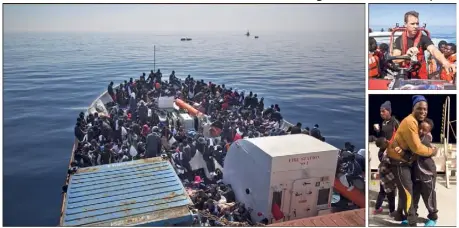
x=389 y=127
x=407 y=139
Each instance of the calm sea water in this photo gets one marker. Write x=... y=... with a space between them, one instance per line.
x=49 y=78
x=437 y=33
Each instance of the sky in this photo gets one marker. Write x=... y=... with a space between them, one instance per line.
x=432 y=14
x=154 y=18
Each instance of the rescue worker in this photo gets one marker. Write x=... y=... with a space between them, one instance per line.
x=413 y=43
x=425 y=173
x=450 y=55
x=373 y=59
x=407 y=139
x=389 y=127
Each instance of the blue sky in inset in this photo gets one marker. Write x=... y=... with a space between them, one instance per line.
x=434 y=15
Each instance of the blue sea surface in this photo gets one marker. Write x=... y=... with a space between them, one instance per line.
x=437 y=33
x=315 y=77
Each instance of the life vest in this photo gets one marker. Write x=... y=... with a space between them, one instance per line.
x=444 y=75
x=379 y=53
x=432 y=63
x=373 y=65
x=420 y=73
x=227 y=146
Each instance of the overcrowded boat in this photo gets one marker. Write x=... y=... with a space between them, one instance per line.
x=184 y=152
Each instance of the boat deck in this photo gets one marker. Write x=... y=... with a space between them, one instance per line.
x=352 y=218
x=446 y=203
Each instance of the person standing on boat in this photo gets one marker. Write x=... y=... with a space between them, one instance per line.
x=158 y=76
x=166 y=136
x=425 y=176
x=412 y=42
x=389 y=126
x=143 y=113
x=407 y=139
x=254 y=104
x=79 y=132
x=153 y=144
x=111 y=92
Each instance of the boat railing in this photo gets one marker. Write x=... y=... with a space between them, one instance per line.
x=101 y=98
x=449 y=150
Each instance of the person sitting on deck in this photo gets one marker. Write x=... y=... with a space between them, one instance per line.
x=315 y=132
x=296 y=129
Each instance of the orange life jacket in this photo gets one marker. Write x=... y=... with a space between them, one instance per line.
x=446 y=75
x=227 y=146
x=420 y=73
x=432 y=63
x=373 y=65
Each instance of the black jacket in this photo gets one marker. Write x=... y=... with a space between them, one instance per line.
x=388 y=128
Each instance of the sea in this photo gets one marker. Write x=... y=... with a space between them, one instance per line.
x=437 y=33
x=315 y=77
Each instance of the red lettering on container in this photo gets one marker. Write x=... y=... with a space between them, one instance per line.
x=303 y=160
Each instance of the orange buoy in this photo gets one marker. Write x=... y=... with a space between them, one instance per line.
x=191 y=110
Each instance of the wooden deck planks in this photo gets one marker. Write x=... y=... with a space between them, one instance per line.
x=353 y=218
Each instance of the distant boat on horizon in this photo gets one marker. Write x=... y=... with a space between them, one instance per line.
x=256 y=37
x=185 y=39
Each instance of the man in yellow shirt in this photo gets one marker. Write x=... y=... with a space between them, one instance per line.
x=407 y=139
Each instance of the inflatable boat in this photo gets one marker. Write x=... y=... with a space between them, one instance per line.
x=399 y=78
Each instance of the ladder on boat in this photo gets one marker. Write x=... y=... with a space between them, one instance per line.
x=449 y=150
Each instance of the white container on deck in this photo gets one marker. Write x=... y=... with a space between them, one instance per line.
x=187 y=121
x=296 y=172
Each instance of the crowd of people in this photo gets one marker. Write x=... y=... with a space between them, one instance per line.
x=406 y=163
x=133 y=127
x=439 y=65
